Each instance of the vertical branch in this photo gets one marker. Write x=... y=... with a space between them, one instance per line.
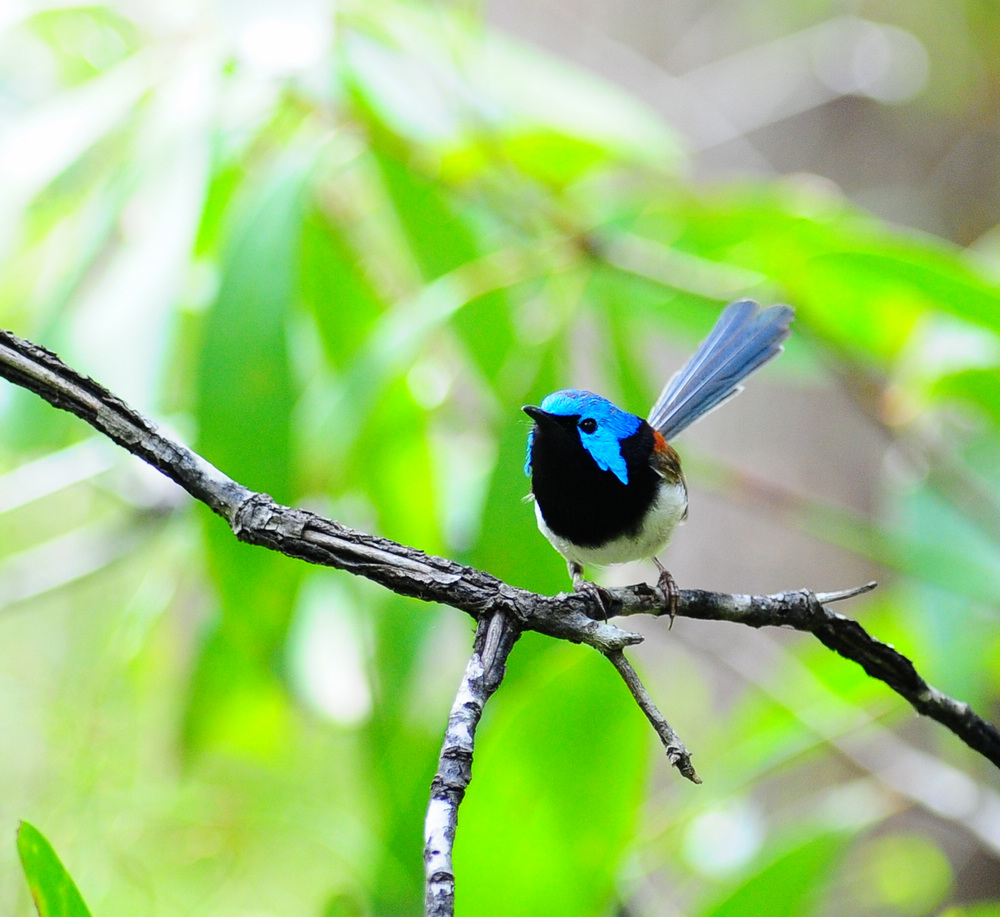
x=495 y=637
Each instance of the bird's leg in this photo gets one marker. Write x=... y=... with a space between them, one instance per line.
x=587 y=587
x=668 y=585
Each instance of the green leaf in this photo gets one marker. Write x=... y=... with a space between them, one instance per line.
x=559 y=774
x=950 y=550
x=441 y=240
x=400 y=479
x=399 y=747
x=237 y=701
x=335 y=287
x=81 y=117
x=554 y=158
x=225 y=182
x=245 y=388
x=979 y=388
x=400 y=751
x=403 y=87
x=854 y=280
x=246 y=397
x=546 y=92
x=789 y=886
x=931 y=274
x=633 y=309
x=52 y=889
x=509 y=544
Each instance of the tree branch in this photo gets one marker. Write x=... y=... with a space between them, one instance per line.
x=677 y=753
x=803 y=610
x=255 y=518
x=495 y=638
x=503 y=611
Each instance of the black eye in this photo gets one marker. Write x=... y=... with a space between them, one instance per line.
x=588 y=424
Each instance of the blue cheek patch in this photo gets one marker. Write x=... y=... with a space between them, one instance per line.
x=527 y=458
x=607 y=453
x=613 y=425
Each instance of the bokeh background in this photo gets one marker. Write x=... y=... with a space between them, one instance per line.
x=336 y=248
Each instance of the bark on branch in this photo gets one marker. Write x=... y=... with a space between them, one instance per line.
x=495 y=638
x=503 y=611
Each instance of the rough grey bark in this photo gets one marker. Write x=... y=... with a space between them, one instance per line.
x=495 y=638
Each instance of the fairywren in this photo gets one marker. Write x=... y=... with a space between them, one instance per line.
x=607 y=485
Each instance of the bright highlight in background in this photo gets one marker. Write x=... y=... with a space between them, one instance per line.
x=328 y=660
x=283 y=46
x=884 y=62
x=723 y=840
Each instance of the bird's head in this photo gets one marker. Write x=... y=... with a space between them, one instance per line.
x=588 y=419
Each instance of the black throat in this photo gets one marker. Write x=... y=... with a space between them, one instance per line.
x=579 y=501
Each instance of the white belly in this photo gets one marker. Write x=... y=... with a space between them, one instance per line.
x=663 y=517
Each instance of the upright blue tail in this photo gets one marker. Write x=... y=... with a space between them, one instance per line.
x=743 y=339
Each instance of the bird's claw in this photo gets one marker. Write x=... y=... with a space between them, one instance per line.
x=598 y=593
x=586 y=587
x=668 y=585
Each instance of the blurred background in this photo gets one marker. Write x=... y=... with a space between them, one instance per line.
x=335 y=248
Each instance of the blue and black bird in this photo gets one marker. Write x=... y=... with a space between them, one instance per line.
x=607 y=485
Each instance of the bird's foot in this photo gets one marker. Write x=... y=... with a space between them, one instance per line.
x=668 y=585
x=600 y=594
x=586 y=587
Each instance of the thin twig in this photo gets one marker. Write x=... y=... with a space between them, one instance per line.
x=801 y=610
x=677 y=753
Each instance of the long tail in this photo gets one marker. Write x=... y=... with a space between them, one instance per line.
x=743 y=339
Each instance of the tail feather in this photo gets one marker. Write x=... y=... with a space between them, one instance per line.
x=743 y=339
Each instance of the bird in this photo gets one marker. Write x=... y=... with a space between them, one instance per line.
x=607 y=486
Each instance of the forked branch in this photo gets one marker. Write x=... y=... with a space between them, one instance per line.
x=502 y=611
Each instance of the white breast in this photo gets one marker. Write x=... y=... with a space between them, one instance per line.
x=663 y=517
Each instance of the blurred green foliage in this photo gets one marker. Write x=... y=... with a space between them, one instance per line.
x=337 y=253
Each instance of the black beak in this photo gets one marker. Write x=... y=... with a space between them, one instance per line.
x=545 y=419
x=536 y=414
